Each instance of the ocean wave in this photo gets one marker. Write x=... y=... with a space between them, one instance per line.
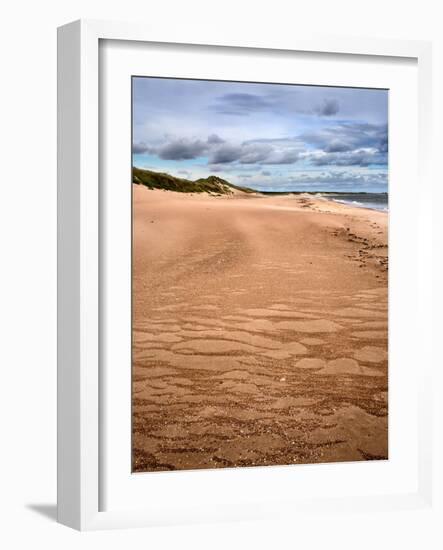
x=358 y=204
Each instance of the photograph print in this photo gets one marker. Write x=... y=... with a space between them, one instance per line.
x=259 y=274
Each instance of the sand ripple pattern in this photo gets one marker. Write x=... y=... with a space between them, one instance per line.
x=259 y=386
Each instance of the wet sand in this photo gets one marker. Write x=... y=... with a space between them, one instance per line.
x=259 y=331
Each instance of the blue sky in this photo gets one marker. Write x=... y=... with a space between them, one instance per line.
x=266 y=136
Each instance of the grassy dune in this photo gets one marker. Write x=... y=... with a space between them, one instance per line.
x=211 y=184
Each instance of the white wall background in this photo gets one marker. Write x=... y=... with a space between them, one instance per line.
x=28 y=266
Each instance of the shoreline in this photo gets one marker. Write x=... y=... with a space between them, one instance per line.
x=352 y=204
x=334 y=196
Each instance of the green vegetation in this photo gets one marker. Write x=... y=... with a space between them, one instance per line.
x=211 y=184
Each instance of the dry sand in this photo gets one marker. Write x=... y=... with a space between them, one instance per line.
x=259 y=331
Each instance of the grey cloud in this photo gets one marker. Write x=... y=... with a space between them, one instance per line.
x=351 y=158
x=329 y=107
x=383 y=145
x=343 y=144
x=240 y=104
x=353 y=134
x=275 y=100
x=245 y=154
x=182 y=149
x=265 y=173
x=215 y=139
x=340 y=144
x=271 y=141
x=337 y=146
x=225 y=154
x=253 y=153
x=139 y=148
x=283 y=157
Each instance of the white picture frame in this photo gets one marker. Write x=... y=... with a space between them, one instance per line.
x=79 y=294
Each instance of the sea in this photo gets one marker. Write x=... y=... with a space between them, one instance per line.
x=374 y=201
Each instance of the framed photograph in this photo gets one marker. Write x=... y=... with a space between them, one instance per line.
x=244 y=280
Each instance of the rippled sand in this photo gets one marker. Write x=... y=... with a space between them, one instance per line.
x=259 y=331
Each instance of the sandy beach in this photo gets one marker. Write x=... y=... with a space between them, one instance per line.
x=259 y=331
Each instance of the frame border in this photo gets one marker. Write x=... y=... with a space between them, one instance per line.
x=78 y=386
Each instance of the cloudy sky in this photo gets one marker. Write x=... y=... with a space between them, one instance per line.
x=266 y=136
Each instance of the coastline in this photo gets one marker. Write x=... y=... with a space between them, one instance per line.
x=345 y=198
x=259 y=330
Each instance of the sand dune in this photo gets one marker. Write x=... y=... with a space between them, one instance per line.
x=259 y=331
